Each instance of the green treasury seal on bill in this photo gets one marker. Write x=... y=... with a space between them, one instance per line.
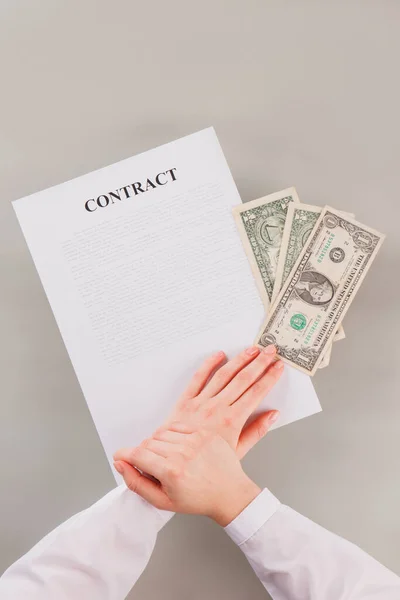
x=298 y=321
x=321 y=288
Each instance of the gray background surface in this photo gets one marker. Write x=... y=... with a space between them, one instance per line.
x=301 y=93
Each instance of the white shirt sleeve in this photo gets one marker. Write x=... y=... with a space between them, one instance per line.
x=97 y=554
x=296 y=559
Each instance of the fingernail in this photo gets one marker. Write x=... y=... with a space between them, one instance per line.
x=279 y=365
x=253 y=351
x=274 y=416
x=118 y=467
x=270 y=349
x=219 y=354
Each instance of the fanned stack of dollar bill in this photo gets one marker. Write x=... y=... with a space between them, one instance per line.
x=308 y=263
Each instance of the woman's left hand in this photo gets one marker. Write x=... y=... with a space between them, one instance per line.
x=215 y=406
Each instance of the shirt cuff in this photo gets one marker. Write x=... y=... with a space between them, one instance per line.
x=253 y=517
x=164 y=516
x=136 y=504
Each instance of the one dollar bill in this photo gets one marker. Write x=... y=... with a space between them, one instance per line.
x=300 y=222
x=261 y=223
x=319 y=290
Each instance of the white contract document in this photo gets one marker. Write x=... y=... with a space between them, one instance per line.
x=146 y=275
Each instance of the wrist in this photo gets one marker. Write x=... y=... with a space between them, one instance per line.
x=233 y=503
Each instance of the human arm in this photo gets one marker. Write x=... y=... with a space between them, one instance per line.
x=100 y=552
x=296 y=559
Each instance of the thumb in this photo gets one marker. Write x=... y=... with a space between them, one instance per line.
x=254 y=431
x=141 y=485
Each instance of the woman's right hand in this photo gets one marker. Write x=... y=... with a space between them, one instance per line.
x=221 y=396
x=195 y=455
